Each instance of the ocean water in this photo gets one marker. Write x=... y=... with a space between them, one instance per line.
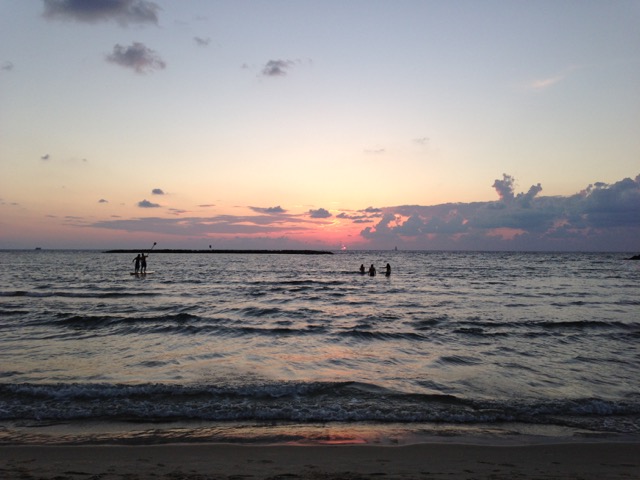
x=302 y=348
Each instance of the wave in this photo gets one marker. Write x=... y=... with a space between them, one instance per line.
x=77 y=294
x=377 y=335
x=96 y=321
x=458 y=360
x=300 y=402
x=183 y=323
x=275 y=321
x=515 y=326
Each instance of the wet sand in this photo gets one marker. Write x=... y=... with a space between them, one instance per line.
x=223 y=461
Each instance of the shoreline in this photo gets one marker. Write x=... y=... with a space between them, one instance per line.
x=453 y=461
x=262 y=433
x=316 y=452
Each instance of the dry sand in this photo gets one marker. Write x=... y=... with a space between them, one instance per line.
x=425 y=461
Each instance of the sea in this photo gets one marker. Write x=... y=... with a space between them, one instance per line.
x=274 y=348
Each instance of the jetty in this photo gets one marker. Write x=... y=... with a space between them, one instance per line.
x=212 y=251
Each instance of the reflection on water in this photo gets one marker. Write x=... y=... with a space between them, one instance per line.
x=459 y=339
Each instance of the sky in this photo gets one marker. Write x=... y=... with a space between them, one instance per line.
x=350 y=124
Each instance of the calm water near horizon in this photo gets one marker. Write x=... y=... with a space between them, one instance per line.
x=301 y=348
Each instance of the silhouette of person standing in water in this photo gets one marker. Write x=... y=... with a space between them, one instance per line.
x=137 y=263
x=143 y=263
x=372 y=271
x=388 y=272
x=362 y=268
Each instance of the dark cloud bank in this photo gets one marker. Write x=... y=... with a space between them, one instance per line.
x=91 y=11
x=602 y=217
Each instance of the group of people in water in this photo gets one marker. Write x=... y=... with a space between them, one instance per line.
x=373 y=272
x=140 y=265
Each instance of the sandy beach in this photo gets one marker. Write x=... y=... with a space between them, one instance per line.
x=426 y=461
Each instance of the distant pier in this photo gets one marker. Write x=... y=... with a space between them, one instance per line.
x=210 y=251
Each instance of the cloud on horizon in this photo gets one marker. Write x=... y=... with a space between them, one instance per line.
x=137 y=56
x=203 y=226
x=269 y=210
x=92 y=11
x=157 y=191
x=361 y=216
x=505 y=190
x=177 y=211
x=601 y=217
x=590 y=219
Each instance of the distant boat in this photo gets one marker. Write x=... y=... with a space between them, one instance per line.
x=38 y=248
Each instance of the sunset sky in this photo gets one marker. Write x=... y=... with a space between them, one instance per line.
x=362 y=124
